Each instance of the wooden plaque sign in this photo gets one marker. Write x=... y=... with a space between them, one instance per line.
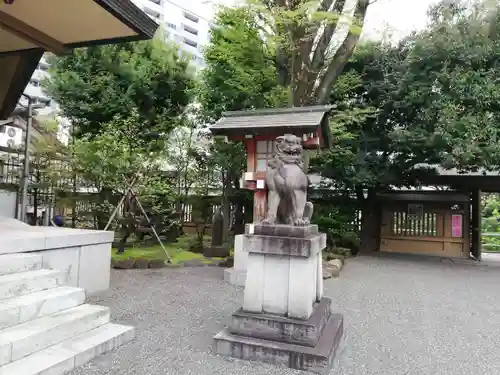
x=415 y=211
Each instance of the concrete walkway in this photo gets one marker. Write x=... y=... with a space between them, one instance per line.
x=404 y=316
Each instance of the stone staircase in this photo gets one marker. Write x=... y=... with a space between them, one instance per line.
x=45 y=326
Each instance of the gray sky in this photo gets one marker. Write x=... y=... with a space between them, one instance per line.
x=402 y=16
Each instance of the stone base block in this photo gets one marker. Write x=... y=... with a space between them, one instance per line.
x=235 y=277
x=216 y=251
x=283 y=329
x=303 y=247
x=280 y=230
x=317 y=359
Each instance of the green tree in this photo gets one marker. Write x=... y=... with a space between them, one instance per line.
x=95 y=84
x=263 y=54
x=264 y=47
x=107 y=162
x=185 y=147
x=312 y=41
x=450 y=83
x=431 y=100
x=362 y=156
x=240 y=72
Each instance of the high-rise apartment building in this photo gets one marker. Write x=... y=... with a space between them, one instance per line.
x=182 y=25
x=35 y=90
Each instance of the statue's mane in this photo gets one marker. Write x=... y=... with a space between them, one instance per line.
x=289 y=158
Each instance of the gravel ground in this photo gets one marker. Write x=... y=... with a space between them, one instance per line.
x=403 y=316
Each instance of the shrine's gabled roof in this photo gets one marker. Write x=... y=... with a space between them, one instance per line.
x=28 y=28
x=295 y=120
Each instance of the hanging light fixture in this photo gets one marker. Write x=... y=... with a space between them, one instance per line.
x=365 y=193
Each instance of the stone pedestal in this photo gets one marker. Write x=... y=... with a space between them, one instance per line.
x=237 y=275
x=285 y=320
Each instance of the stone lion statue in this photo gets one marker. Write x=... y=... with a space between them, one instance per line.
x=287 y=185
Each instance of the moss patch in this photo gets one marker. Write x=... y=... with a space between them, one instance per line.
x=177 y=250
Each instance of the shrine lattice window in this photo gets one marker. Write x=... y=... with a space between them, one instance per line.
x=265 y=151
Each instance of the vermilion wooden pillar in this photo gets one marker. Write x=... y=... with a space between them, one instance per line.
x=255 y=180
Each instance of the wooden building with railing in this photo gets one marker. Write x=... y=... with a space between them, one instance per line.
x=443 y=222
x=426 y=222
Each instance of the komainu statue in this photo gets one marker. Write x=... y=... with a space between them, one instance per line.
x=287 y=184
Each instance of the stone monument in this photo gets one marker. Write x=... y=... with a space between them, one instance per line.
x=285 y=320
x=217 y=248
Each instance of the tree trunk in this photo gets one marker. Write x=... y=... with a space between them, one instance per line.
x=342 y=55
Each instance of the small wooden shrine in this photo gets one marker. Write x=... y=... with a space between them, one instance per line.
x=258 y=129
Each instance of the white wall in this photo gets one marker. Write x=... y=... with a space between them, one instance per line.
x=8 y=203
x=171 y=15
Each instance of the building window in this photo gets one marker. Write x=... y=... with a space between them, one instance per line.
x=265 y=151
x=35 y=83
x=153 y=14
x=45 y=102
x=156 y=1
x=190 y=29
x=191 y=17
x=171 y=26
x=43 y=67
x=190 y=42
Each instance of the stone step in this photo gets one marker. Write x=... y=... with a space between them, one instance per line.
x=13 y=263
x=65 y=356
x=31 y=306
x=22 y=283
x=27 y=338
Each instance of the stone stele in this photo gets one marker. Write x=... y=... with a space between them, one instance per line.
x=285 y=320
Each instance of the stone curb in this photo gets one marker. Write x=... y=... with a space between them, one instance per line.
x=139 y=263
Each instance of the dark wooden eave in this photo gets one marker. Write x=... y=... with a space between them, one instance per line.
x=484 y=180
x=423 y=196
x=24 y=64
x=132 y=16
x=295 y=120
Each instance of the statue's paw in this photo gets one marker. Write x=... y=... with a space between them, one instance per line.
x=300 y=222
x=267 y=222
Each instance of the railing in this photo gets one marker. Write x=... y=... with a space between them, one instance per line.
x=492 y=246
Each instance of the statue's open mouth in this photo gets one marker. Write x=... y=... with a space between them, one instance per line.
x=291 y=151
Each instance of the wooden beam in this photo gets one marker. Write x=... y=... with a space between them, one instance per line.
x=30 y=34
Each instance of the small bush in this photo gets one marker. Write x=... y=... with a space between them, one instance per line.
x=195 y=245
x=349 y=240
